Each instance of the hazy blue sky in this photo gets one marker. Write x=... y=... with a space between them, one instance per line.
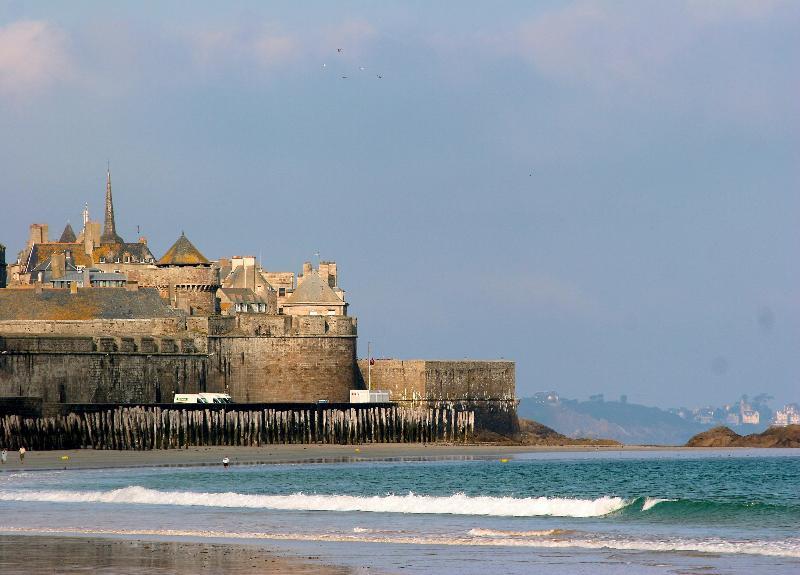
x=605 y=192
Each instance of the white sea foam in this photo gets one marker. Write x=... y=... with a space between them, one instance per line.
x=786 y=548
x=504 y=533
x=651 y=502
x=457 y=504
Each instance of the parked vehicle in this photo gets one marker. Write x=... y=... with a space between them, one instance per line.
x=202 y=398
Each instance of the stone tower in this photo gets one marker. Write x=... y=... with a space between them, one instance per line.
x=109 y=229
x=2 y=266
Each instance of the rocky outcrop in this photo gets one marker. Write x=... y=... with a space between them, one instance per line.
x=534 y=433
x=788 y=436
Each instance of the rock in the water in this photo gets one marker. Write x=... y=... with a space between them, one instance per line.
x=788 y=436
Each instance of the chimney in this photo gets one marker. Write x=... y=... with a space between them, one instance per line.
x=236 y=261
x=143 y=240
x=38 y=234
x=57 y=266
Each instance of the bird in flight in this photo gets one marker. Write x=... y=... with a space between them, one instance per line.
x=339 y=50
x=379 y=76
x=362 y=68
x=344 y=77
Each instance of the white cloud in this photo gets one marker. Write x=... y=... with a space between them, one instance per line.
x=268 y=46
x=717 y=59
x=262 y=46
x=33 y=54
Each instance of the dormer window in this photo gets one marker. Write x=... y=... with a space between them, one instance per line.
x=127 y=259
x=102 y=260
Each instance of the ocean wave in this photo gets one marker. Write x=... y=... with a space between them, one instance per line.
x=659 y=508
x=457 y=504
x=650 y=502
x=787 y=548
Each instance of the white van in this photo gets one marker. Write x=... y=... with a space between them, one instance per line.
x=202 y=398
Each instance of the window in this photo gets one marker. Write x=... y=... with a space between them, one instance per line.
x=102 y=260
x=127 y=259
x=281 y=292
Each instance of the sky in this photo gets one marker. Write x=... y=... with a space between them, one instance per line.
x=604 y=192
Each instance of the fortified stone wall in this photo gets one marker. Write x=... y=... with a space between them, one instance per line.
x=189 y=288
x=111 y=327
x=485 y=387
x=442 y=380
x=100 y=377
x=285 y=358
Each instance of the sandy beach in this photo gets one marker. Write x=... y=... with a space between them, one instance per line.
x=272 y=454
x=34 y=555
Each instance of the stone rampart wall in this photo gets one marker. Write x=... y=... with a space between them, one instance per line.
x=259 y=369
x=442 y=380
x=100 y=377
x=152 y=276
x=122 y=327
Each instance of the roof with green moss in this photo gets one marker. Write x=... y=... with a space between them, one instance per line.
x=183 y=253
x=86 y=304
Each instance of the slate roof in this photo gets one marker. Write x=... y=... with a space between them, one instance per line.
x=40 y=253
x=68 y=235
x=242 y=295
x=238 y=278
x=110 y=253
x=88 y=303
x=313 y=290
x=47 y=265
x=183 y=253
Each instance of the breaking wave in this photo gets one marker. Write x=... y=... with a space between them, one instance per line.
x=651 y=502
x=457 y=504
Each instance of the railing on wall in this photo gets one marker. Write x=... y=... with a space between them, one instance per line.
x=156 y=427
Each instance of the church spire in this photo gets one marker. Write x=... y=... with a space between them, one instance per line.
x=109 y=229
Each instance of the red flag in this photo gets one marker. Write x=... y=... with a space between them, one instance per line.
x=372 y=361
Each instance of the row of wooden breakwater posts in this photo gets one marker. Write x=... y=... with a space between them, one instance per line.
x=150 y=427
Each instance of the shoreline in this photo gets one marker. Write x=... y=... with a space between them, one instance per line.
x=37 y=554
x=87 y=459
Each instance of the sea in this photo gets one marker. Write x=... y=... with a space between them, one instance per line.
x=716 y=511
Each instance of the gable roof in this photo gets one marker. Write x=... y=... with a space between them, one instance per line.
x=239 y=277
x=87 y=303
x=42 y=252
x=68 y=235
x=313 y=290
x=183 y=253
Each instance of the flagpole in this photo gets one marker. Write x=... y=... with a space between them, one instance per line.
x=369 y=365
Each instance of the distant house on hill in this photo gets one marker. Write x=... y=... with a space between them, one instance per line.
x=789 y=415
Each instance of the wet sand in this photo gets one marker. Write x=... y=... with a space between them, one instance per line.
x=198 y=456
x=37 y=555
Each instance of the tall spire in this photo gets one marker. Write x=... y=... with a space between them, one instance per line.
x=109 y=229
